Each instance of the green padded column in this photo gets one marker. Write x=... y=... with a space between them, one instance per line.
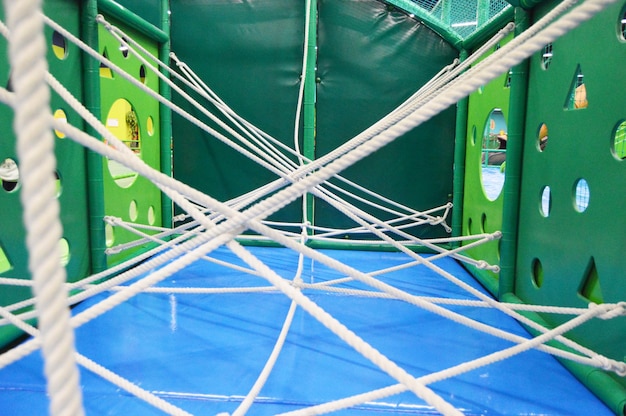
x=309 y=117
x=167 y=207
x=519 y=85
x=459 y=162
x=94 y=160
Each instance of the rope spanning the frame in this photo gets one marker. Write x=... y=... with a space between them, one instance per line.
x=215 y=224
x=31 y=123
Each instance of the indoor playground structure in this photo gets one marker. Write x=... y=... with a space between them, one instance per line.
x=359 y=207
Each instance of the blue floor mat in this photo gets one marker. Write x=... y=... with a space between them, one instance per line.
x=203 y=353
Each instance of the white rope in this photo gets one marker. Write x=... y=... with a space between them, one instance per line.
x=31 y=123
x=193 y=82
x=102 y=371
x=220 y=229
x=447 y=373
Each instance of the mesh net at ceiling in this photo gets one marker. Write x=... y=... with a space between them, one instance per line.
x=462 y=17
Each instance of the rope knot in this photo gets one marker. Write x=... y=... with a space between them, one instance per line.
x=610 y=310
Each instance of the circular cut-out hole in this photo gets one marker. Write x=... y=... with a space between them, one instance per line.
x=621 y=25
x=59 y=45
x=546 y=56
x=142 y=74
x=483 y=221
x=109 y=235
x=57 y=184
x=473 y=137
x=469 y=226
x=132 y=210
x=537 y=273
x=619 y=141
x=151 y=217
x=546 y=201
x=581 y=195
x=124 y=48
x=542 y=137
x=64 y=251
x=493 y=154
x=60 y=115
x=150 y=126
x=9 y=175
x=122 y=122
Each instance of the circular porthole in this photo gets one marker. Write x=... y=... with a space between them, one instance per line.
x=142 y=74
x=9 y=175
x=546 y=202
x=618 y=145
x=60 y=115
x=150 y=126
x=122 y=122
x=151 y=217
x=493 y=154
x=581 y=195
x=546 y=56
x=57 y=184
x=109 y=235
x=537 y=273
x=124 y=48
x=621 y=25
x=59 y=45
x=64 y=252
x=132 y=210
x=542 y=137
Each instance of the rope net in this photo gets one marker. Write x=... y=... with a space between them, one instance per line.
x=208 y=224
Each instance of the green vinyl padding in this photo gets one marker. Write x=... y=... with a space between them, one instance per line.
x=71 y=170
x=366 y=60
x=370 y=59
x=574 y=256
x=250 y=54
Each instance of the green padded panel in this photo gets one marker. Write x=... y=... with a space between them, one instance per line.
x=480 y=212
x=71 y=168
x=572 y=257
x=367 y=60
x=122 y=195
x=250 y=54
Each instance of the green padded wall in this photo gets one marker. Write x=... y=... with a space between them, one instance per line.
x=366 y=67
x=575 y=253
x=250 y=54
x=371 y=57
x=71 y=168
x=483 y=213
x=127 y=195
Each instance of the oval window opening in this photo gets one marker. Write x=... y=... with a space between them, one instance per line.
x=493 y=154
x=122 y=122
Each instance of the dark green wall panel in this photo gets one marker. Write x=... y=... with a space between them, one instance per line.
x=571 y=257
x=250 y=54
x=71 y=167
x=370 y=59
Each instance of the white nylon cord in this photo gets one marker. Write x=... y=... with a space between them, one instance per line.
x=35 y=149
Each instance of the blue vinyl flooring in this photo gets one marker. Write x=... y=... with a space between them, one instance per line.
x=204 y=352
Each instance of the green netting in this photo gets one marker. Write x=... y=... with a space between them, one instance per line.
x=462 y=17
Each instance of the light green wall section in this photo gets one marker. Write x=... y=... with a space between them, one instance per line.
x=130 y=197
x=480 y=213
